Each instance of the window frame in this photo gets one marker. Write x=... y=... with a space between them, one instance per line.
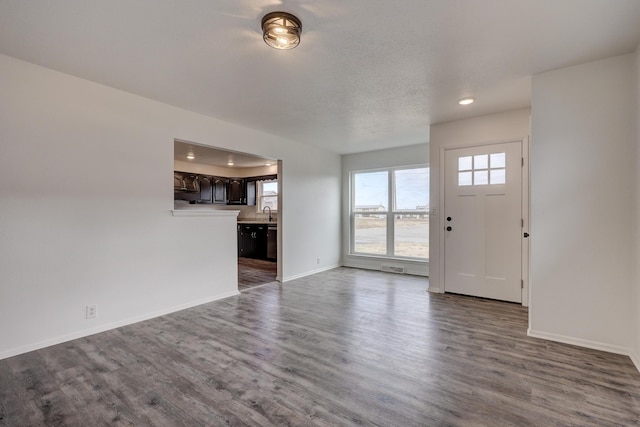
x=260 y=196
x=390 y=212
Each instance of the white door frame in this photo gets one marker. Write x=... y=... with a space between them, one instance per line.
x=525 y=211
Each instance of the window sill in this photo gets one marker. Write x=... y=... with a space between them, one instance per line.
x=389 y=258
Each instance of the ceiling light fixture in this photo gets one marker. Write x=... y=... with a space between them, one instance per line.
x=268 y=164
x=281 y=30
x=229 y=163
x=190 y=156
x=466 y=101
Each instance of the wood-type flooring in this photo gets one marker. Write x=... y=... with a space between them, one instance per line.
x=344 y=347
x=255 y=272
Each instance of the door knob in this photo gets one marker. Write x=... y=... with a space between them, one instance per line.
x=449 y=228
x=526 y=235
x=448 y=218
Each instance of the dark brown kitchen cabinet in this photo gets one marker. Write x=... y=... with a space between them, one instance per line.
x=219 y=187
x=246 y=242
x=252 y=241
x=236 y=194
x=186 y=182
x=205 y=188
x=208 y=189
x=190 y=187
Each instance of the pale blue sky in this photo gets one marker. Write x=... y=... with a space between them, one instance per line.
x=412 y=188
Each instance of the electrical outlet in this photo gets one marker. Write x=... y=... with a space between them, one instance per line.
x=92 y=311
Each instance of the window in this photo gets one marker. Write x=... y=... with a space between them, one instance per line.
x=390 y=213
x=267 y=195
x=482 y=169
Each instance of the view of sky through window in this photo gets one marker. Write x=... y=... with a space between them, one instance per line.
x=411 y=185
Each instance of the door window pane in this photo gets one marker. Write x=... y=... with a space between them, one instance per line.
x=370 y=234
x=464 y=163
x=480 y=177
x=465 y=178
x=411 y=236
x=498 y=176
x=482 y=169
x=481 y=161
x=498 y=160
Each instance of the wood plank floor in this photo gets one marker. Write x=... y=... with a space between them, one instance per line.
x=255 y=272
x=343 y=347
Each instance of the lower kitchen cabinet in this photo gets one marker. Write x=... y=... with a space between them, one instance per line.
x=252 y=241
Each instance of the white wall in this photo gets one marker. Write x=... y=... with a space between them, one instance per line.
x=583 y=175
x=85 y=200
x=403 y=156
x=502 y=127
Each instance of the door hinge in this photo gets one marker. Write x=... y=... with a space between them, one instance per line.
x=523 y=161
x=522 y=223
x=521 y=284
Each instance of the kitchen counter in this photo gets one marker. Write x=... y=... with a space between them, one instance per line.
x=257 y=222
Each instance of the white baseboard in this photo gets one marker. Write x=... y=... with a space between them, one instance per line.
x=415 y=268
x=434 y=290
x=594 y=345
x=113 y=325
x=635 y=358
x=309 y=273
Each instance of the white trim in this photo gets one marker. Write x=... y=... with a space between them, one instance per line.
x=205 y=212
x=413 y=267
x=112 y=325
x=635 y=358
x=525 y=148
x=594 y=345
x=440 y=226
x=390 y=213
x=309 y=273
x=526 y=199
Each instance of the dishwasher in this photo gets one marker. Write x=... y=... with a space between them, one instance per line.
x=272 y=242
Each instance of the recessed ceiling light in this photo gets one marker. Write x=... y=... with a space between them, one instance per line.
x=268 y=164
x=190 y=156
x=229 y=163
x=281 y=30
x=466 y=101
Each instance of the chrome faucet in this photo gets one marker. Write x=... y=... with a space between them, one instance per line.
x=268 y=207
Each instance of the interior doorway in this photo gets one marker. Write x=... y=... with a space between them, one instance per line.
x=484 y=220
x=255 y=272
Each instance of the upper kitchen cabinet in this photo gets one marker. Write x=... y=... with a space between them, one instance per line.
x=189 y=186
x=219 y=190
x=186 y=182
x=250 y=185
x=206 y=188
x=236 y=193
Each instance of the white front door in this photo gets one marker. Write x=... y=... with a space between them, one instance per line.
x=483 y=221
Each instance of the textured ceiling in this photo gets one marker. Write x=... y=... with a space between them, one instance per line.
x=367 y=75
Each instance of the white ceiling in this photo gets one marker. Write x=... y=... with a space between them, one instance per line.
x=217 y=157
x=368 y=74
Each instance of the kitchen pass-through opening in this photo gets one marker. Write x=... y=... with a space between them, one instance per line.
x=220 y=179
